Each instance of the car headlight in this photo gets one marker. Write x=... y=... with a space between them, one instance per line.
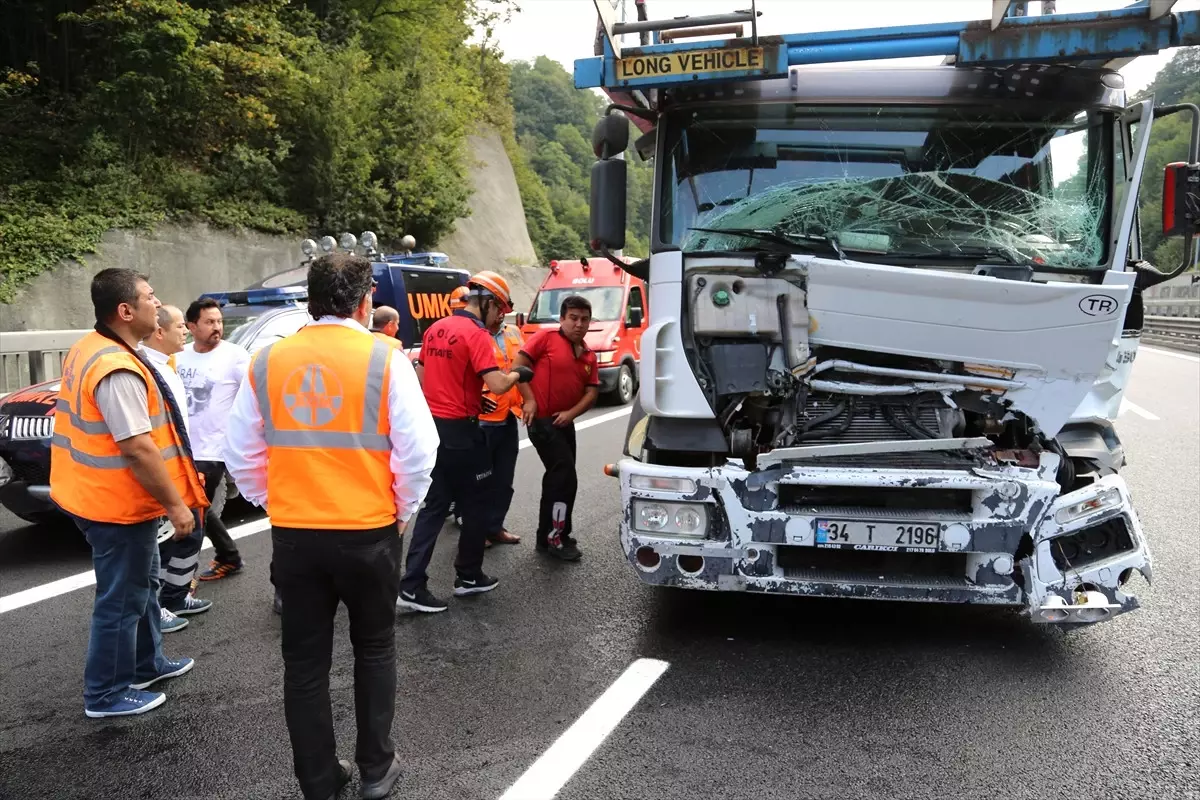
x=671 y=519
x=605 y=356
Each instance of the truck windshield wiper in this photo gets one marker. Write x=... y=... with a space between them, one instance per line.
x=980 y=251
x=781 y=238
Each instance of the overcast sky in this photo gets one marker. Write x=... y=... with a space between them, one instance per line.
x=564 y=29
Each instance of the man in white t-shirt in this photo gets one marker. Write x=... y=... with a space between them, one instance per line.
x=179 y=558
x=212 y=370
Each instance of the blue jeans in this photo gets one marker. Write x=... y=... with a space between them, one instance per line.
x=125 y=645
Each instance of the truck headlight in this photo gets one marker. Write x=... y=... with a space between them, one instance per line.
x=671 y=519
x=1109 y=498
x=605 y=356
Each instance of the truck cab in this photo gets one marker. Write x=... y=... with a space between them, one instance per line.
x=893 y=309
x=619 y=312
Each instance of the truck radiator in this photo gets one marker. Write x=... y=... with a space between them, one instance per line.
x=864 y=421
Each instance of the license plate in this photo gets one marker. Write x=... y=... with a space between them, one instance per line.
x=902 y=537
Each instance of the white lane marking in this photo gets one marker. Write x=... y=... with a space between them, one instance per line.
x=1170 y=353
x=557 y=765
x=588 y=423
x=37 y=594
x=71 y=583
x=1135 y=408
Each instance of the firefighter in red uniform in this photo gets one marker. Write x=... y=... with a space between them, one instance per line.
x=458 y=361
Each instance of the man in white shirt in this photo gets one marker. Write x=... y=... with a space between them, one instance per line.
x=179 y=558
x=331 y=435
x=211 y=370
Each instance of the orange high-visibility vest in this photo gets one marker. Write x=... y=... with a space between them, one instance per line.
x=323 y=396
x=392 y=340
x=511 y=401
x=88 y=475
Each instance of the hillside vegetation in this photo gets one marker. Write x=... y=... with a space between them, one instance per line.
x=1177 y=82
x=280 y=116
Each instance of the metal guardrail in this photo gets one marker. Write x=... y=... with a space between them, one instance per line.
x=28 y=357
x=1182 y=333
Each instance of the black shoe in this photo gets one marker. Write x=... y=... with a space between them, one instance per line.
x=478 y=585
x=420 y=600
x=344 y=775
x=382 y=787
x=567 y=551
x=277 y=604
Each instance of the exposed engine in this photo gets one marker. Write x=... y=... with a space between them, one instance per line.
x=772 y=389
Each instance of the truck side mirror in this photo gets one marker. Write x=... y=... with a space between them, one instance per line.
x=520 y=319
x=1181 y=199
x=607 y=214
x=635 y=318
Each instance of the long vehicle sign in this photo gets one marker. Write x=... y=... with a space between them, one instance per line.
x=691 y=62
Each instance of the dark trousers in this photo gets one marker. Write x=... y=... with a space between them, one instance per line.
x=180 y=560
x=462 y=476
x=504 y=444
x=225 y=550
x=556 y=448
x=125 y=644
x=313 y=570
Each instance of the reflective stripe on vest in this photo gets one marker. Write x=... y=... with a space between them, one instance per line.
x=89 y=477
x=351 y=440
x=322 y=394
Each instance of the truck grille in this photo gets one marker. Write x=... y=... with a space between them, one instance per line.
x=796 y=497
x=941 y=570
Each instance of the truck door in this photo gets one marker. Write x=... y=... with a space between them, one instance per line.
x=1129 y=157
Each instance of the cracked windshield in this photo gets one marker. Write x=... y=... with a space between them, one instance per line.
x=947 y=184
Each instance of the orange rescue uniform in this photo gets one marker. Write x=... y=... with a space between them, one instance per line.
x=323 y=396
x=88 y=475
x=511 y=401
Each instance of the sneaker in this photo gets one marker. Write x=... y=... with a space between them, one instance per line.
x=132 y=702
x=219 y=569
x=478 y=585
x=421 y=600
x=169 y=623
x=192 y=605
x=175 y=667
x=564 y=551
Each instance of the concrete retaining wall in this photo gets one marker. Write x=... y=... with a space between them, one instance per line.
x=183 y=261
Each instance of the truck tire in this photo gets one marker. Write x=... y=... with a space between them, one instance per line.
x=624 y=391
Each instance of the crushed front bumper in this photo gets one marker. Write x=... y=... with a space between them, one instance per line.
x=1004 y=535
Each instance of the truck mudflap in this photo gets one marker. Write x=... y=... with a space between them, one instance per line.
x=1000 y=536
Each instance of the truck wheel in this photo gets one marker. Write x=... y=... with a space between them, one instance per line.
x=623 y=393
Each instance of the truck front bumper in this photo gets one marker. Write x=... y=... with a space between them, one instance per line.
x=1005 y=535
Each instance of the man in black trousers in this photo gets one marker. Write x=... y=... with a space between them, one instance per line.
x=566 y=383
x=330 y=435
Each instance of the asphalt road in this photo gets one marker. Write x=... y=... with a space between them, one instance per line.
x=761 y=697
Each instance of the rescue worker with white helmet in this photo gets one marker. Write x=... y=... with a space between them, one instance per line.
x=458 y=361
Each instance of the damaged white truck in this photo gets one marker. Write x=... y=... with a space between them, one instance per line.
x=894 y=309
